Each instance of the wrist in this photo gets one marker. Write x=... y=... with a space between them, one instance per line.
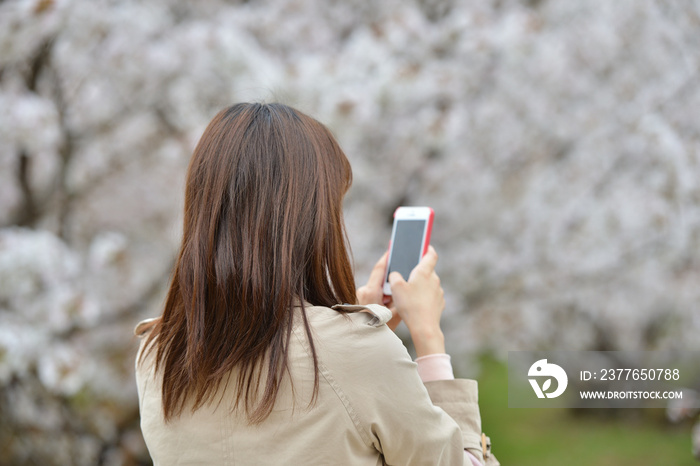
x=428 y=341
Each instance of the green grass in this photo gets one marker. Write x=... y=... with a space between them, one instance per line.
x=547 y=437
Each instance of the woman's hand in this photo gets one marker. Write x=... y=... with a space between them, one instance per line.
x=420 y=302
x=373 y=291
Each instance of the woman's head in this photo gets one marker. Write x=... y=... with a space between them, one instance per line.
x=263 y=206
x=263 y=231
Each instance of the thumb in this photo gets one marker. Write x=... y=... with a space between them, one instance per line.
x=395 y=279
x=429 y=260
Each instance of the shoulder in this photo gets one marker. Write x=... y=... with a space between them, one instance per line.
x=352 y=328
x=352 y=347
x=145 y=326
x=144 y=363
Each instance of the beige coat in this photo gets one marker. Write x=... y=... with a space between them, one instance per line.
x=372 y=408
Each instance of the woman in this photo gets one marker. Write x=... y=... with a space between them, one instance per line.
x=253 y=361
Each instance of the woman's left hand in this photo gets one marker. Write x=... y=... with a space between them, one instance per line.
x=373 y=291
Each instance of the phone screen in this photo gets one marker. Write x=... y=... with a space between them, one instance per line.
x=406 y=249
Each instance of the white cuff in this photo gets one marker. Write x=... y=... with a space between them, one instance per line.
x=435 y=367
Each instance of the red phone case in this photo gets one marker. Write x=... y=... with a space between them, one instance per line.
x=430 y=230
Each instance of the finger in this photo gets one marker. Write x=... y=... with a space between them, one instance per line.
x=431 y=256
x=429 y=260
x=376 y=277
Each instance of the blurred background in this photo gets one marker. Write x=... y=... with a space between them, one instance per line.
x=557 y=141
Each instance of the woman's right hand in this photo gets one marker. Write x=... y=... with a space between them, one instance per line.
x=420 y=302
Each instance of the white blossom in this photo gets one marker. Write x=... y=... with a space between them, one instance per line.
x=557 y=142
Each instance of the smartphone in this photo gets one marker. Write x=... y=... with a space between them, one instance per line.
x=410 y=238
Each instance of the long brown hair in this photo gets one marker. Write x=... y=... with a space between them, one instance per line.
x=263 y=233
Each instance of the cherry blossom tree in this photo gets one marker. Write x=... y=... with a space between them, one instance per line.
x=557 y=142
